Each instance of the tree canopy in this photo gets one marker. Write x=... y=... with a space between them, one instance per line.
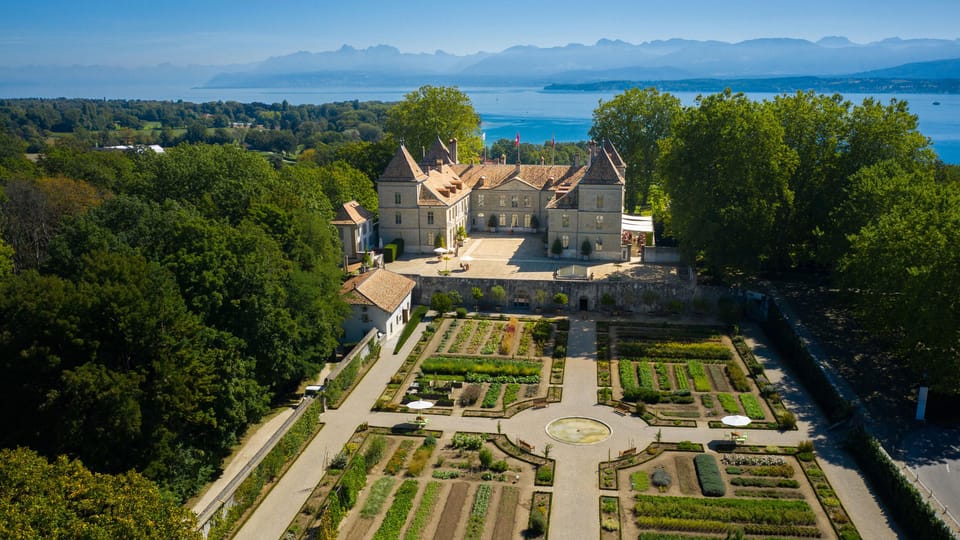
x=63 y=499
x=436 y=111
x=635 y=122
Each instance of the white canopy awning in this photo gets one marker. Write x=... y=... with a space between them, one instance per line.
x=636 y=223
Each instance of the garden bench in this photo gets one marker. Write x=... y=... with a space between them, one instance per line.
x=628 y=452
x=622 y=409
x=525 y=445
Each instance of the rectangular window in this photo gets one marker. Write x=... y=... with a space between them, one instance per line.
x=526 y=220
x=564 y=221
x=514 y=201
x=599 y=201
x=429 y=238
x=397 y=219
x=598 y=245
x=503 y=201
x=429 y=218
x=565 y=241
x=526 y=201
x=599 y=222
x=503 y=220
x=396 y=198
x=480 y=200
x=514 y=221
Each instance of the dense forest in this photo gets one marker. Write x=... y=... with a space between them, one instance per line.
x=154 y=305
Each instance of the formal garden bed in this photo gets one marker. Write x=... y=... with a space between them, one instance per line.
x=672 y=492
x=676 y=375
x=388 y=484
x=492 y=367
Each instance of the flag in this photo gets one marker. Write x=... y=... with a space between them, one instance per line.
x=483 y=136
x=517 y=142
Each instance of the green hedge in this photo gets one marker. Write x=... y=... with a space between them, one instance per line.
x=795 y=354
x=389 y=253
x=907 y=505
x=415 y=318
x=708 y=473
x=399 y=243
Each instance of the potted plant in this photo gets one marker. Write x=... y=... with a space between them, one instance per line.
x=534 y=222
x=560 y=299
x=557 y=248
x=492 y=223
x=585 y=248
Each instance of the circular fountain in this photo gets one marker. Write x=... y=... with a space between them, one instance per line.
x=578 y=430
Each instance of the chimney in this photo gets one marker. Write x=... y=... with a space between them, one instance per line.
x=453 y=151
x=542 y=160
x=593 y=151
x=576 y=160
x=503 y=159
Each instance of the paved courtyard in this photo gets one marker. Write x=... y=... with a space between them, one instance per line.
x=521 y=256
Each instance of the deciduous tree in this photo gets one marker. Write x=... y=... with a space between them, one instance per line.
x=436 y=111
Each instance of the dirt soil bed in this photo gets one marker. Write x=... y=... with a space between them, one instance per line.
x=452 y=510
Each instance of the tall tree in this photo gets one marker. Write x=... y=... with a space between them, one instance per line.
x=904 y=268
x=436 y=111
x=816 y=127
x=635 y=122
x=726 y=170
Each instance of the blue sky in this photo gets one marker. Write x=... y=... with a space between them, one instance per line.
x=181 y=32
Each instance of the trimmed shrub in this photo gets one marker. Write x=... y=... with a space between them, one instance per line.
x=461 y=313
x=708 y=473
x=390 y=253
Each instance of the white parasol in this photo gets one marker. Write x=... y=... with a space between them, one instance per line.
x=440 y=250
x=466 y=258
x=735 y=421
x=419 y=405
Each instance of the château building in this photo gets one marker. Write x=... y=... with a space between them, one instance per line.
x=437 y=196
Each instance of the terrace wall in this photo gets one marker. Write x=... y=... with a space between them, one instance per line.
x=628 y=294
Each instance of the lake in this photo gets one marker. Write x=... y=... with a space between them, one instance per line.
x=536 y=115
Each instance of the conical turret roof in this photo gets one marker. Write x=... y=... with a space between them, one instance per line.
x=402 y=168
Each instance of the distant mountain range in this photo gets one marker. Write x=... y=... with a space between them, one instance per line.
x=774 y=64
x=671 y=60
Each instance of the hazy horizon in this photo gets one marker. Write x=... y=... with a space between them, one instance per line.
x=218 y=32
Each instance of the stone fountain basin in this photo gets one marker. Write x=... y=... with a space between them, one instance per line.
x=578 y=430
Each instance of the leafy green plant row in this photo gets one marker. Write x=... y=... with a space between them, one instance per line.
x=399 y=457
x=491 y=397
x=342 y=499
x=465 y=331
x=747 y=481
x=398 y=511
x=479 y=512
x=644 y=374
x=674 y=349
x=701 y=383
x=728 y=402
x=751 y=406
x=737 y=377
x=378 y=495
x=708 y=474
x=424 y=511
x=628 y=380
x=478 y=378
x=460 y=366
x=680 y=375
x=441 y=474
x=758 y=511
x=510 y=394
x=720 y=527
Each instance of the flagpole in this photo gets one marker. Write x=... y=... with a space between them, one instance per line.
x=553 y=147
x=518 y=148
